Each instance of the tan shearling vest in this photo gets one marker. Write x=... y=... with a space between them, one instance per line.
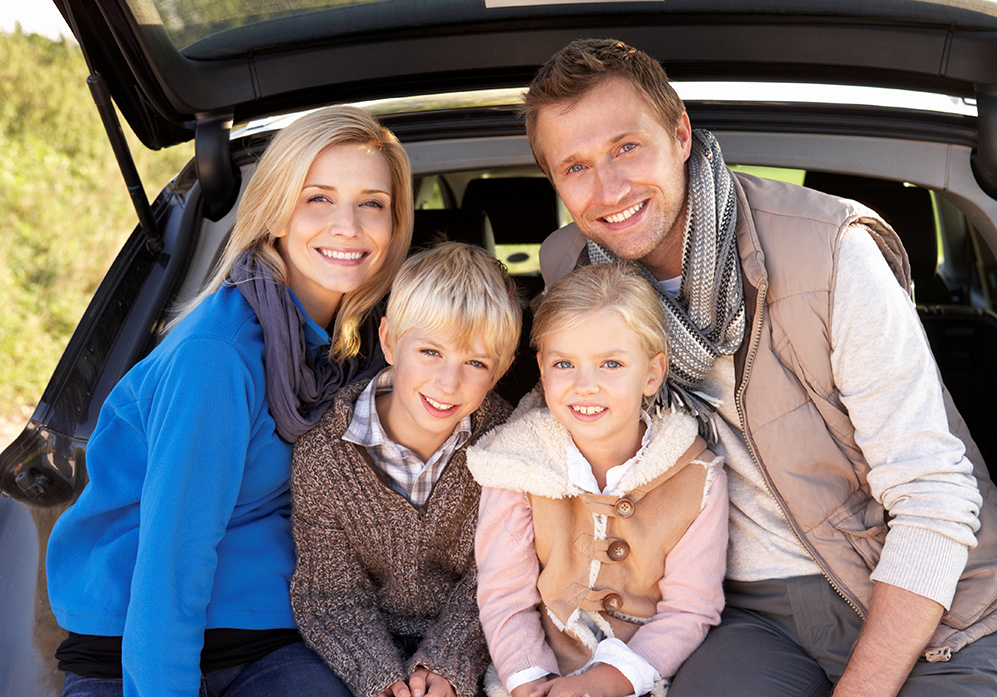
x=601 y=557
x=793 y=420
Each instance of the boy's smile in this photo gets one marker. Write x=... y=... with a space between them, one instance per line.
x=437 y=383
x=595 y=376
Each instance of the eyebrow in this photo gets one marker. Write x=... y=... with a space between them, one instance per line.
x=615 y=351
x=611 y=142
x=326 y=187
x=433 y=343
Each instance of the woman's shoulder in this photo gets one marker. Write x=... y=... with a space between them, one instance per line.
x=222 y=316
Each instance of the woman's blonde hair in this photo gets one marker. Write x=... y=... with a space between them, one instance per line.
x=272 y=194
x=617 y=287
x=461 y=291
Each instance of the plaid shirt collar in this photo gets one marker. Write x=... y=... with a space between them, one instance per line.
x=405 y=471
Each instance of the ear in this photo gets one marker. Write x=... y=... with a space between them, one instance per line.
x=383 y=332
x=540 y=364
x=683 y=135
x=656 y=371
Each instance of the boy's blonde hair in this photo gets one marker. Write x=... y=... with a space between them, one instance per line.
x=273 y=192
x=461 y=291
x=617 y=287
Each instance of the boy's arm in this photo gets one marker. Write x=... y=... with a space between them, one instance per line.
x=692 y=587
x=454 y=647
x=507 y=584
x=332 y=597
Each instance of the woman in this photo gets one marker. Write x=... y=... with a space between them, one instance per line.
x=171 y=572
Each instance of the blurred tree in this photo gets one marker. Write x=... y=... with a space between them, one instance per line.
x=64 y=209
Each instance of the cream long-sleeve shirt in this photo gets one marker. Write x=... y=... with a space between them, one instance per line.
x=888 y=381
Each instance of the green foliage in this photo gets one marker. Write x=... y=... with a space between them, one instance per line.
x=64 y=209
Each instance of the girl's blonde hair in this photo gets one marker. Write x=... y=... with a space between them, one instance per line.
x=272 y=194
x=617 y=287
x=461 y=291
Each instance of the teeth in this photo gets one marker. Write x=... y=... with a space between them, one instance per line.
x=589 y=411
x=625 y=215
x=345 y=256
x=439 y=405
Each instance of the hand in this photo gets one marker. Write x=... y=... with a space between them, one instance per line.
x=425 y=682
x=897 y=628
x=396 y=689
x=601 y=680
x=527 y=689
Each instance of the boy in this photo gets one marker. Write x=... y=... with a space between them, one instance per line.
x=384 y=508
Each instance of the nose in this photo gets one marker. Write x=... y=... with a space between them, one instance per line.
x=611 y=184
x=448 y=378
x=345 y=222
x=586 y=382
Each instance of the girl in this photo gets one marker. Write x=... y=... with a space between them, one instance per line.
x=171 y=572
x=602 y=530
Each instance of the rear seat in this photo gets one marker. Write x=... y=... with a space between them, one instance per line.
x=474 y=227
x=964 y=341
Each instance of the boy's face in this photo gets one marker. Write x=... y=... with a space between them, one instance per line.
x=437 y=384
x=595 y=376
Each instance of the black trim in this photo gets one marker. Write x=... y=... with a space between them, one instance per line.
x=317 y=58
x=828 y=119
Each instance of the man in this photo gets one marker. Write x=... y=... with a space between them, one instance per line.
x=861 y=554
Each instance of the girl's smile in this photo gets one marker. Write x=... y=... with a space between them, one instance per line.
x=595 y=377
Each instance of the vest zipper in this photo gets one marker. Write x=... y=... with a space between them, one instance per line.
x=756 y=335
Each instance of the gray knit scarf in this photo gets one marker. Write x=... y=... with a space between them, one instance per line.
x=299 y=388
x=707 y=318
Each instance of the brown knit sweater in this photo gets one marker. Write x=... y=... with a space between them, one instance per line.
x=371 y=565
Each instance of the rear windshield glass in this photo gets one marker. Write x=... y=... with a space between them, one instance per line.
x=189 y=21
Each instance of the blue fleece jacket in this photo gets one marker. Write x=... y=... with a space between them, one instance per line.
x=185 y=523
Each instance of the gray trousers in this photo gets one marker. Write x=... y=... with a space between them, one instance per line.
x=792 y=637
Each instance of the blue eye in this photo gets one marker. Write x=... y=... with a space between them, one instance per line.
x=478 y=364
x=575 y=168
x=373 y=204
x=429 y=352
x=613 y=364
x=562 y=365
x=628 y=147
x=319 y=198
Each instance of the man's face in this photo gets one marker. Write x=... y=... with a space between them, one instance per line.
x=620 y=173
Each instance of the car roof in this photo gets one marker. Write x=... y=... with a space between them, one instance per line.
x=172 y=64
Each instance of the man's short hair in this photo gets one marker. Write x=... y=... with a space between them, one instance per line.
x=585 y=63
x=460 y=291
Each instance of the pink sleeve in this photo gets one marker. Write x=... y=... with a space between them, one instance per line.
x=507 y=584
x=692 y=587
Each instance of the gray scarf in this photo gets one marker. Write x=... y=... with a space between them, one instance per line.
x=299 y=388
x=707 y=318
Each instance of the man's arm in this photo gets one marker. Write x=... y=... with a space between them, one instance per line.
x=897 y=629
x=918 y=471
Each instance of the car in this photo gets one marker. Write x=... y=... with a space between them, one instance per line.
x=890 y=103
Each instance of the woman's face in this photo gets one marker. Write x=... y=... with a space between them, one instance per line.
x=340 y=229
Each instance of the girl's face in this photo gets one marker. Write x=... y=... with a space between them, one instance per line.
x=595 y=376
x=340 y=229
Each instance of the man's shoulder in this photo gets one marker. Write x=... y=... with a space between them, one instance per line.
x=559 y=252
x=781 y=198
